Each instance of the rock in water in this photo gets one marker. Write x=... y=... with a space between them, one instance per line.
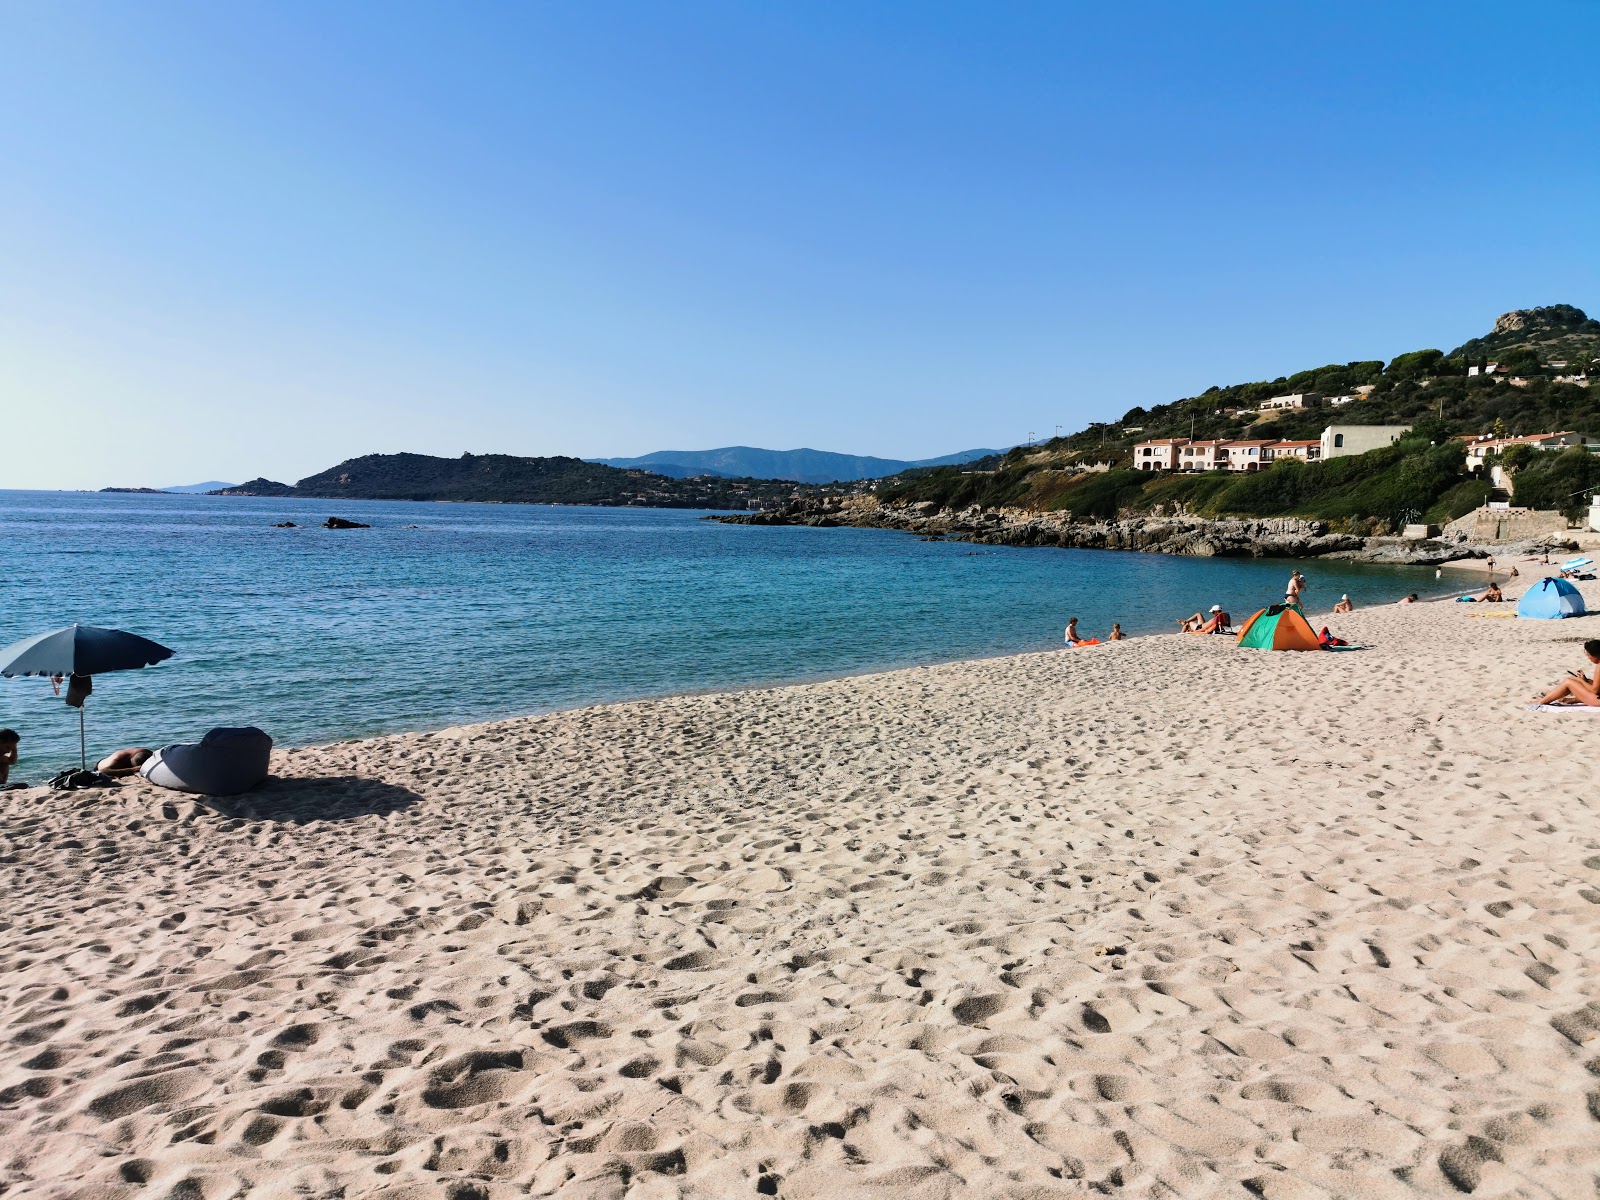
x=341 y=523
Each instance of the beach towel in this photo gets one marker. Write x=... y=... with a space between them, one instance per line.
x=1583 y=708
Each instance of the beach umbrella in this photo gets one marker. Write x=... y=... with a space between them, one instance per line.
x=77 y=653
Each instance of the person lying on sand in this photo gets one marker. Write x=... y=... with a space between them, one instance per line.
x=124 y=762
x=1577 y=688
x=9 y=740
x=1215 y=623
x=1411 y=599
x=1344 y=605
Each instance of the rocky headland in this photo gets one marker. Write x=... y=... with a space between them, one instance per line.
x=1203 y=537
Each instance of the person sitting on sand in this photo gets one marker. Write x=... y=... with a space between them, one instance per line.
x=124 y=762
x=1514 y=573
x=1493 y=595
x=9 y=740
x=1116 y=634
x=1344 y=605
x=1072 y=635
x=1215 y=623
x=1578 y=688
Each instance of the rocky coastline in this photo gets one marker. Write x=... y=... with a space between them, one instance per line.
x=1202 y=537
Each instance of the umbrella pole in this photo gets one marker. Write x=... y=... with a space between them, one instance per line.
x=83 y=745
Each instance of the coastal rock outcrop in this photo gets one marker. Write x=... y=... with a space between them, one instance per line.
x=260 y=486
x=1200 y=537
x=341 y=523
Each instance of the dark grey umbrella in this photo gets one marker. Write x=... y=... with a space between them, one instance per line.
x=78 y=652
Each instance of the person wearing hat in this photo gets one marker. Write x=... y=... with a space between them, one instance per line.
x=1215 y=623
x=1344 y=605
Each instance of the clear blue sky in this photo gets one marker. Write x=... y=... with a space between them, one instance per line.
x=253 y=238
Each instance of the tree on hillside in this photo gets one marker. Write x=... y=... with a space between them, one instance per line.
x=1414 y=365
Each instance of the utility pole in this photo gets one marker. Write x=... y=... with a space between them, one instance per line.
x=1058 y=431
x=1030 y=439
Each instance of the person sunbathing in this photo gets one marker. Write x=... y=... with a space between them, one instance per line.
x=124 y=762
x=1344 y=605
x=1578 y=688
x=1493 y=595
x=1215 y=623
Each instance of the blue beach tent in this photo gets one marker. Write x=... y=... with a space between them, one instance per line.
x=1551 y=599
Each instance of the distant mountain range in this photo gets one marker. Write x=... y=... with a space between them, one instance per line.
x=801 y=466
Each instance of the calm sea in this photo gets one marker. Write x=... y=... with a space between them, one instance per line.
x=445 y=613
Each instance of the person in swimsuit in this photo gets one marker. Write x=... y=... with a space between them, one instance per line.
x=1578 y=688
x=1215 y=623
x=1116 y=634
x=1297 y=584
x=1344 y=605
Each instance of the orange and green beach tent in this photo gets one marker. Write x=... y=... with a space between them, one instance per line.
x=1281 y=627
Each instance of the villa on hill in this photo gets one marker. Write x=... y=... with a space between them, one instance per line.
x=1247 y=455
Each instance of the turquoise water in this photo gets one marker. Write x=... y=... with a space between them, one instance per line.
x=444 y=613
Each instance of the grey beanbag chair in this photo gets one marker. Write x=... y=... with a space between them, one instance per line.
x=223 y=763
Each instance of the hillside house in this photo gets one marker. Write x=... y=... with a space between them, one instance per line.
x=1244 y=456
x=1340 y=441
x=1203 y=456
x=1297 y=400
x=1306 y=451
x=1158 y=455
x=1480 y=448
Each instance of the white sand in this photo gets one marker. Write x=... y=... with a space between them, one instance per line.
x=1165 y=918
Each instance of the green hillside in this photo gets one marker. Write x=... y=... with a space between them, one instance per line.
x=1420 y=478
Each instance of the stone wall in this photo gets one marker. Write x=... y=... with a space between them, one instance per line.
x=1489 y=525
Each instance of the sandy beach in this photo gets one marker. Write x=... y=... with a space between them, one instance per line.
x=1162 y=918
